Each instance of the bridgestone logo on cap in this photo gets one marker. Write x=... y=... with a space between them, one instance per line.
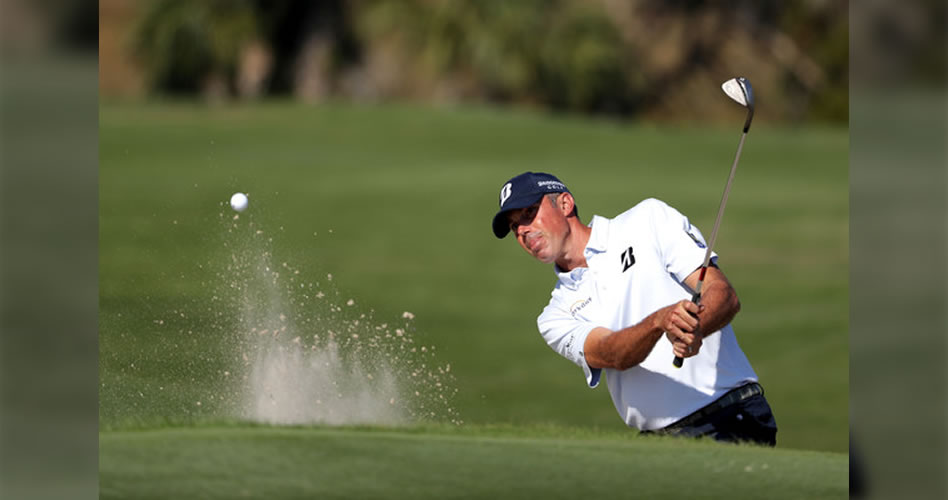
x=551 y=184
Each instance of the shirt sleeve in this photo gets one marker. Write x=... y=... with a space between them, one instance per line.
x=567 y=336
x=682 y=245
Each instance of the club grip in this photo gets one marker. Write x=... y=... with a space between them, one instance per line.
x=696 y=298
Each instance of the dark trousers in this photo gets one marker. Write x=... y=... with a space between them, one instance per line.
x=748 y=420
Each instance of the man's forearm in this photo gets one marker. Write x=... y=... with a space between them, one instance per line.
x=720 y=305
x=625 y=348
x=630 y=346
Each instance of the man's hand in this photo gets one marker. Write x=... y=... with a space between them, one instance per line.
x=683 y=350
x=679 y=321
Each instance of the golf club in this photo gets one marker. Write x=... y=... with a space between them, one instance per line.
x=740 y=90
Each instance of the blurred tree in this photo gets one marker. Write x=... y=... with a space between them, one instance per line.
x=558 y=53
x=658 y=58
x=814 y=40
x=194 y=46
x=311 y=42
x=585 y=66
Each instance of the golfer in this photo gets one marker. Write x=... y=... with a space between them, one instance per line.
x=622 y=306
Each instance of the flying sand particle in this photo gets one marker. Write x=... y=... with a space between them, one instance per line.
x=285 y=382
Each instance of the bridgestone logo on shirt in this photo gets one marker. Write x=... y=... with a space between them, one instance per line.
x=627 y=259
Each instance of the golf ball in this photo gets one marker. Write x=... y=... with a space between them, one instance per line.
x=239 y=202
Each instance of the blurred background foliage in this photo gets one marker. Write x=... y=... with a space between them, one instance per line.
x=185 y=45
x=638 y=58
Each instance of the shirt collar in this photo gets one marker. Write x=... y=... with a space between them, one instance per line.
x=595 y=246
x=599 y=236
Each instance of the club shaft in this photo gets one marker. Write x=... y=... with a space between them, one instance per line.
x=727 y=192
x=696 y=298
x=717 y=220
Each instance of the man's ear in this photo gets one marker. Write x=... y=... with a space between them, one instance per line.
x=566 y=203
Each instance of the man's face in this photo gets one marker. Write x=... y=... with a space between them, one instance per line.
x=541 y=229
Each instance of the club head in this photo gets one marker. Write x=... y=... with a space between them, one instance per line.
x=739 y=89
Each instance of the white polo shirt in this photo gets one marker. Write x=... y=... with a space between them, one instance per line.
x=637 y=264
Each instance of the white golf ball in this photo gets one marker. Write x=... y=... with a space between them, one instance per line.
x=239 y=202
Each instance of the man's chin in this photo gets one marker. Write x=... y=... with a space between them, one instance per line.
x=540 y=255
x=546 y=259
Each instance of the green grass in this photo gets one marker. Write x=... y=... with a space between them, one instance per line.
x=394 y=201
x=234 y=461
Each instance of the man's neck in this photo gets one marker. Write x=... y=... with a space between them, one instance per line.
x=575 y=246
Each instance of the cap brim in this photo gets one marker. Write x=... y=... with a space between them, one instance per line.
x=501 y=228
x=500 y=225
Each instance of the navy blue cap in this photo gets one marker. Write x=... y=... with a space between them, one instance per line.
x=522 y=191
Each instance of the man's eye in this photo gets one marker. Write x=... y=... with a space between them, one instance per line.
x=525 y=217
x=515 y=220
